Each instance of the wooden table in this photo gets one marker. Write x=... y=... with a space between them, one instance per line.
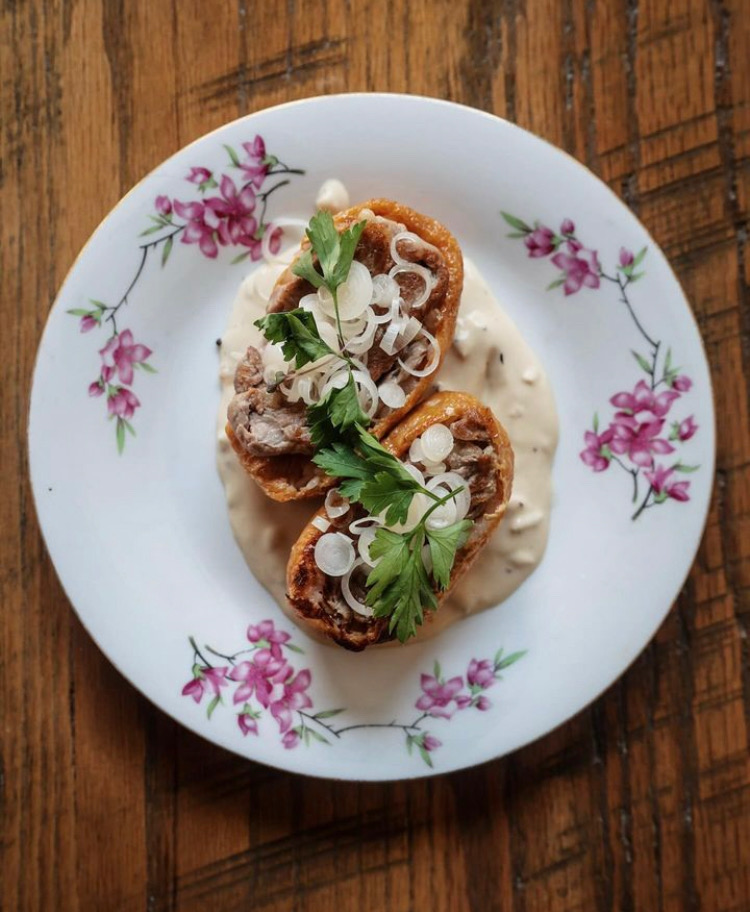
x=641 y=802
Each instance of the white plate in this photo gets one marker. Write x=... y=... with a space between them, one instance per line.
x=141 y=539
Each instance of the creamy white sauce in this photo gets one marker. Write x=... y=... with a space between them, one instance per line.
x=490 y=359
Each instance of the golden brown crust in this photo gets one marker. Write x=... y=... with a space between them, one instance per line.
x=294 y=477
x=305 y=582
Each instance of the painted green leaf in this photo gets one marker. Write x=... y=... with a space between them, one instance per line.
x=128 y=427
x=686 y=469
x=555 y=283
x=317 y=736
x=668 y=361
x=510 y=659
x=99 y=304
x=425 y=755
x=596 y=422
x=80 y=312
x=327 y=713
x=436 y=669
x=637 y=275
x=516 y=223
x=144 y=365
x=233 y=155
x=152 y=230
x=638 y=259
x=240 y=257
x=642 y=361
x=516 y=234
x=167 y=250
x=212 y=705
x=294 y=648
x=120 y=433
x=499 y=655
x=409 y=743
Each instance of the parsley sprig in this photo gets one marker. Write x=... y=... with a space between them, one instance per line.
x=399 y=587
x=334 y=416
x=335 y=253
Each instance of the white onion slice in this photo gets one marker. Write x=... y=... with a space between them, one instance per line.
x=321 y=523
x=424 y=274
x=309 y=302
x=434 y=468
x=353 y=296
x=437 y=443
x=453 y=480
x=444 y=515
x=334 y=554
x=365 y=382
x=359 y=344
x=433 y=365
x=415 y=451
x=388 y=342
x=385 y=290
x=335 y=504
x=366 y=522
x=391 y=394
x=363 y=547
x=410 y=330
x=415 y=473
x=353 y=603
x=337 y=380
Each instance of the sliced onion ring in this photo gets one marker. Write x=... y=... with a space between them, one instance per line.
x=365 y=382
x=321 y=523
x=335 y=504
x=366 y=522
x=354 y=604
x=334 y=554
x=453 y=480
x=437 y=443
x=391 y=394
x=433 y=365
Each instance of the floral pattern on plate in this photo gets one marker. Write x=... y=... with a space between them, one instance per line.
x=638 y=436
x=262 y=680
x=230 y=212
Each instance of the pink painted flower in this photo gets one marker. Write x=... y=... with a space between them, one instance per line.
x=682 y=383
x=266 y=631
x=248 y=724
x=626 y=257
x=595 y=455
x=230 y=214
x=581 y=268
x=483 y=704
x=290 y=740
x=687 y=428
x=199 y=175
x=430 y=744
x=439 y=699
x=540 y=242
x=205 y=680
x=122 y=403
x=481 y=674
x=163 y=205
x=638 y=440
x=663 y=481
x=88 y=323
x=567 y=227
x=196 y=230
x=96 y=388
x=259 y=677
x=255 y=167
x=643 y=399
x=292 y=698
x=122 y=353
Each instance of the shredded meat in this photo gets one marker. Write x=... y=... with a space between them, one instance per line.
x=263 y=420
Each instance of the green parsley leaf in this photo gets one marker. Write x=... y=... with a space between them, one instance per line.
x=389 y=492
x=298 y=335
x=336 y=414
x=443 y=546
x=335 y=252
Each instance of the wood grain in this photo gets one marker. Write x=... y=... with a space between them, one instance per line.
x=642 y=802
